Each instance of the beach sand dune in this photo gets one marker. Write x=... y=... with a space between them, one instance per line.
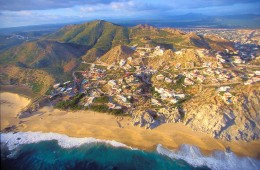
x=109 y=127
x=10 y=106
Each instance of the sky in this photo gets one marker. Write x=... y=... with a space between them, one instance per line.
x=15 y=13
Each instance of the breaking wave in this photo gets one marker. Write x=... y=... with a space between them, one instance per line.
x=218 y=160
x=120 y=156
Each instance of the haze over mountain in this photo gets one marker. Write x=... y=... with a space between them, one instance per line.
x=61 y=52
x=35 y=12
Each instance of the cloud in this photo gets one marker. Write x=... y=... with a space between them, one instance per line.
x=17 y=5
x=113 y=6
x=31 y=12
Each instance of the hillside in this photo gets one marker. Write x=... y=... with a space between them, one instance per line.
x=187 y=58
x=98 y=34
x=116 y=54
x=38 y=80
x=61 y=52
x=41 y=54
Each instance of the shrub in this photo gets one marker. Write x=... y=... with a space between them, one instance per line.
x=71 y=104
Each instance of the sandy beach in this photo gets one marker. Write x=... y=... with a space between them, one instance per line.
x=109 y=127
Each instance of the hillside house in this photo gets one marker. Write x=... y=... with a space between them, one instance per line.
x=112 y=83
x=188 y=82
x=160 y=77
x=224 y=88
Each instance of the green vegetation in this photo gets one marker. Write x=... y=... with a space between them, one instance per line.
x=103 y=99
x=70 y=104
x=105 y=109
x=36 y=86
x=179 y=83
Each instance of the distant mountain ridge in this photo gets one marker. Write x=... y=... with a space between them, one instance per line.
x=98 y=37
x=61 y=52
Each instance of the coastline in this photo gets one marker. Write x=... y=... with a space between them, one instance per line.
x=108 y=127
x=20 y=90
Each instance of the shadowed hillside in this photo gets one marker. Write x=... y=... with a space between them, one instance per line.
x=61 y=52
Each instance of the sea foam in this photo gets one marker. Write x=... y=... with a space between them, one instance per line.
x=191 y=154
x=13 y=140
x=217 y=161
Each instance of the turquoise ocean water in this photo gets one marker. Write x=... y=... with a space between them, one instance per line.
x=35 y=150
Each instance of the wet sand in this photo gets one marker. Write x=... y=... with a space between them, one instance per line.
x=109 y=127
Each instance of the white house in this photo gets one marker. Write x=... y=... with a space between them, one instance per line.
x=224 y=88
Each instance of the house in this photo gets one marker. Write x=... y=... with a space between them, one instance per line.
x=123 y=98
x=89 y=101
x=173 y=101
x=158 y=52
x=237 y=60
x=84 y=81
x=248 y=82
x=188 y=82
x=168 y=93
x=63 y=89
x=110 y=67
x=55 y=86
x=69 y=89
x=111 y=105
x=178 y=65
x=112 y=83
x=222 y=60
x=255 y=79
x=118 y=90
x=224 y=88
x=178 y=52
x=142 y=53
x=155 y=102
x=160 y=77
x=179 y=96
x=257 y=73
x=160 y=90
x=227 y=97
x=122 y=62
x=129 y=58
x=207 y=64
x=157 y=48
x=200 y=78
x=118 y=107
x=67 y=82
x=167 y=80
x=130 y=79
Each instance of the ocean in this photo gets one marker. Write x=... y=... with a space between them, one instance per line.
x=36 y=150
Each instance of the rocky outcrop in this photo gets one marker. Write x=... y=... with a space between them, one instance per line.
x=33 y=108
x=238 y=121
x=207 y=113
x=150 y=119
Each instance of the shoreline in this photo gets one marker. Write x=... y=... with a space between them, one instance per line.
x=108 y=127
x=18 y=89
x=188 y=153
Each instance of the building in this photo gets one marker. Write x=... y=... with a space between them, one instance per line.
x=160 y=77
x=122 y=62
x=112 y=83
x=224 y=89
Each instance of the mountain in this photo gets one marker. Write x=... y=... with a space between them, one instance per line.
x=61 y=52
x=99 y=34
x=38 y=80
x=31 y=28
x=42 y=54
x=93 y=39
x=116 y=54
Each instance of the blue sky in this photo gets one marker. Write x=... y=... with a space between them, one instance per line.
x=34 y=12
